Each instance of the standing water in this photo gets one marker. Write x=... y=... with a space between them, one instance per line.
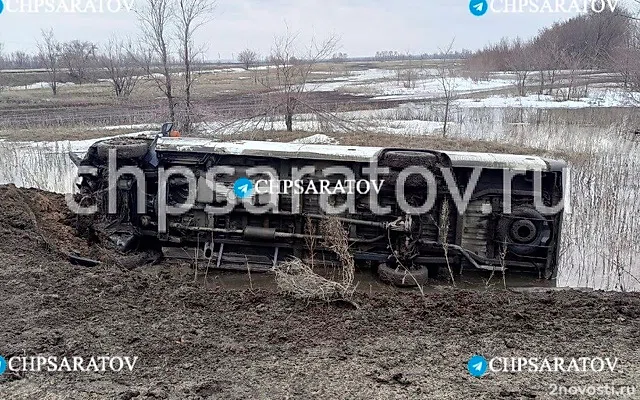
x=599 y=247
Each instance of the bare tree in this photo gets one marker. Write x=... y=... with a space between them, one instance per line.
x=20 y=59
x=624 y=60
x=447 y=79
x=192 y=14
x=292 y=68
x=572 y=62
x=49 y=50
x=248 y=58
x=154 y=17
x=545 y=58
x=77 y=56
x=410 y=73
x=589 y=39
x=339 y=57
x=118 y=59
x=521 y=63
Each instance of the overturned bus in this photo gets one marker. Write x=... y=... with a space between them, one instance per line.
x=249 y=204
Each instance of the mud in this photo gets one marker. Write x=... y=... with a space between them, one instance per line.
x=95 y=112
x=198 y=340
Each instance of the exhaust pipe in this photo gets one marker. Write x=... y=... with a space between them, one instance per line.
x=208 y=250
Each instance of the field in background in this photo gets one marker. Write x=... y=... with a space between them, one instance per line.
x=386 y=104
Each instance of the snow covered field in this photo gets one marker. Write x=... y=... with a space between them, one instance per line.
x=432 y=88
x=384 y=84
x=600 y=97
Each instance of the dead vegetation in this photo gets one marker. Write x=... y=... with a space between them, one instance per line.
x=408 y=141
x=60 y=134
x=299 y=279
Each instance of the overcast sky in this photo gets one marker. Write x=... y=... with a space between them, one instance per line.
x=364 y=26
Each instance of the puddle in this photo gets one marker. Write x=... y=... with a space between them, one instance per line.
x=366 y=280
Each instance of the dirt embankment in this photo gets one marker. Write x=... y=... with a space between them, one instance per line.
x=196 y=342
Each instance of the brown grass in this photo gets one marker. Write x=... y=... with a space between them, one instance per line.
x=298 y=278
x=434 y=142
x=55 y=134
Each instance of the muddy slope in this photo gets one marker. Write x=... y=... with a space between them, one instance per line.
x=196 y=342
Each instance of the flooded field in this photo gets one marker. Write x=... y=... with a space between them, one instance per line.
x=599 y=245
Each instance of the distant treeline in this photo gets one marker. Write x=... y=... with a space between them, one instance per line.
x=588 y=41
x=394 y=55
x=82 y=51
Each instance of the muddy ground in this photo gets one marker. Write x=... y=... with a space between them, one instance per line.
x=197 y=341
x=21 y=120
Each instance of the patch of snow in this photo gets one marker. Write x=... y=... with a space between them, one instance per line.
x=432 y=87
x=318 y=138
x=12 y=71
x=406 y=119
x=596 y=98
x=383 y=84
x=399 y=120
x=219 y=70
x=354 y=78
x=39 y=85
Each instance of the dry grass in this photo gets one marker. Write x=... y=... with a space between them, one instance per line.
x=210 y=81
x=59 y=134
x=270 y=136
x=46 y=167
x=599 y=247
x=406 y=141
x=336 y=239
x=436 y=142
x=298 y=278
